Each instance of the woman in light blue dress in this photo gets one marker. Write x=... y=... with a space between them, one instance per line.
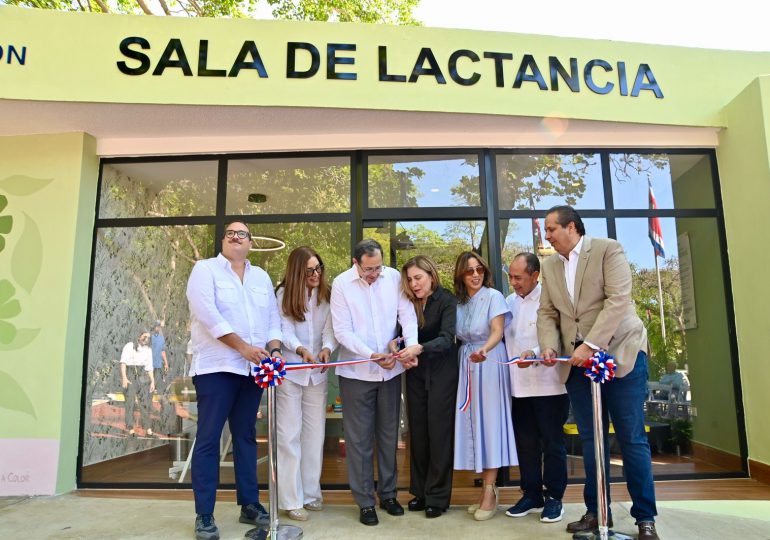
x=484 y=439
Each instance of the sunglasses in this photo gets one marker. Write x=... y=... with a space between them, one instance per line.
x=315 y=270
x=229 y=233
x=470 y=272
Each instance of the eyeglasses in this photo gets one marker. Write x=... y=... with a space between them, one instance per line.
x=229 y=233
x=315 y=270
x=480 y=270
x=369 y=270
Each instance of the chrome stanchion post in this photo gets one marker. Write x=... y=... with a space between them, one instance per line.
x=601 y=482
x=602 y=508
x=275 y=531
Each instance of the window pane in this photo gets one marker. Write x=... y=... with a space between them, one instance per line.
x=692 y=363
x=423 y=181
x=288 y=185
x=179 y=188
x=678 y=181
x=540 y=181
x=330 y=240
x=442 y=241
x=140 y=276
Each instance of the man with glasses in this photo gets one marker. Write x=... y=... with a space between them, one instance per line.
x=366 y=305
x=234 y=322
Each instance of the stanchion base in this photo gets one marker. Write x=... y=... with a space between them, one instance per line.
x=595 y=535
x=285 y=532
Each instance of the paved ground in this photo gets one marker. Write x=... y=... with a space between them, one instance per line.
x=75 y=517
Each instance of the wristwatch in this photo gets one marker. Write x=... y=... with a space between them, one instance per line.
x=274 y=349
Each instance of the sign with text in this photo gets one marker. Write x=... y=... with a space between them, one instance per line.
x=246 y=62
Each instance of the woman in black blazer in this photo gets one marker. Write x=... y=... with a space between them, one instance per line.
x=431 y=388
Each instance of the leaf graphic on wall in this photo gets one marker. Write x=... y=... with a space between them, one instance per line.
x=9 y=308
x=24 y=336
x=13 y=397
x=6 y=222
x=27 y=258
x=21 y=185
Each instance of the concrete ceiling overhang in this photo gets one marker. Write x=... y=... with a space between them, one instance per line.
x=135 y=129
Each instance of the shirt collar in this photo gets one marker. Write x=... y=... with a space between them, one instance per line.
x=355 y=277
x=225 y=262
x=533 y=296
x=576 y=250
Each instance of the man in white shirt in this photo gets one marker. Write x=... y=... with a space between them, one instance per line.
x=366 y=305
x=235 y=322
x=585 y=306
x=540 y=402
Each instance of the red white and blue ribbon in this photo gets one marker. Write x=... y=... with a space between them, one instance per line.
x=293 y=366
x=467 y=393
x=601 y=368
x=269 y=372
x=532 y=360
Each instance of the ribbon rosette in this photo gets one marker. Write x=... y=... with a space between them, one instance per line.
x=601 y=368
x=269 y=372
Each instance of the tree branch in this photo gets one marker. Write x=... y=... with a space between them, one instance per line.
x=164 y=7
x=102 y=6
x=144 y=7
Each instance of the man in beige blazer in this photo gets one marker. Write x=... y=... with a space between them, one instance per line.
x=585 y=306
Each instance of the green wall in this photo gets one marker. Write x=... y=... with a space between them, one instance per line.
x=745 y=179
x=49 y=184
x=708 y=345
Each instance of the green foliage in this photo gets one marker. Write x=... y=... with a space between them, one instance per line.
x=369 y=11
x=645 y=295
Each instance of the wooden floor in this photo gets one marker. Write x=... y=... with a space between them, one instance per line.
x=675 y=490
x=152 y=466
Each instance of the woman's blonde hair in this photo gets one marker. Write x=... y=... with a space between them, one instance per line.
x=429 y=267
x=293 y=283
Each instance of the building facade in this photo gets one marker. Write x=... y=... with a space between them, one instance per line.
x=122 y=159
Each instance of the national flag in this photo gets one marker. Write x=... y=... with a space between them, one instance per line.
x=656 y=233
x=536 y=233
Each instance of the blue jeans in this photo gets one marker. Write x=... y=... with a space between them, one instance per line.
x=624 y=399
x=235 y=399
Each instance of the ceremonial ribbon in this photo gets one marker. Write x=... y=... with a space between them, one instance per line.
x=269 y=372
x=520 y=360
x=601 y=368
x=467 y=401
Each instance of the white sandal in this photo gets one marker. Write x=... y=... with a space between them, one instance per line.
x=299 y=514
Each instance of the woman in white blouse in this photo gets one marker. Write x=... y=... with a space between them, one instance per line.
x=303 y=299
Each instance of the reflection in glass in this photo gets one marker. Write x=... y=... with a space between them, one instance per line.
x=442 y=241
x=689 y=352
x=288 y=185
x=158 y=189
x=423 y=181
x=677 y=181
x=540 y=181
x=330 y=239
x=140 y=277
x=517 y=235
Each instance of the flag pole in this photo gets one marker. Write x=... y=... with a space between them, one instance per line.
x=660 y=298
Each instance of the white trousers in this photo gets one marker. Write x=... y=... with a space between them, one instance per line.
x=301 y=432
